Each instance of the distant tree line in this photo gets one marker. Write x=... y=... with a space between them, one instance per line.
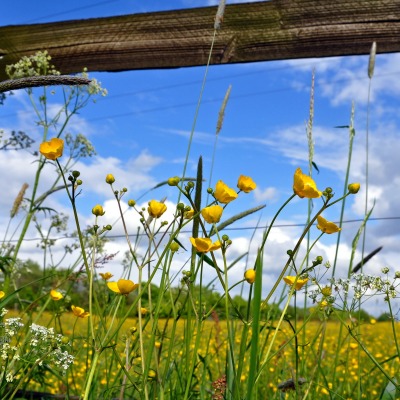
x=37 y=284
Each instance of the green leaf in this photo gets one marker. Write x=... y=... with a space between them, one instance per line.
x=236 y=217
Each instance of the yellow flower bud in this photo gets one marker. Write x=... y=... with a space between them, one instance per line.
x=152 y=374
x=174 y=181
x=156 y=208
x=212 y=214
x=2 y=294
x=98 y=211
x=110 y=179
x=246 y=184
x=131 y=203
x=133 y=330
x=52 y=149
x=250 y=276
x=188 y=214
x=353 y=188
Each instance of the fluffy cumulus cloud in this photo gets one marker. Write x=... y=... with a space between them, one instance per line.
x=134 y=174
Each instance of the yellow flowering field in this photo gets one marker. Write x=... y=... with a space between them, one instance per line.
x=318 y=350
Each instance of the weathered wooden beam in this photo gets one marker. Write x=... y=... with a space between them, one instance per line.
x=267 y=30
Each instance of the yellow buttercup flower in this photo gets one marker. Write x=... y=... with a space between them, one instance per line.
x=123 y=286
x=212 y=214
x=2 y=294
x=327 y=226
x=79 y=312
x=246 y=184
x=52 y=149
x=106 y=275
x=290 y=280
x=143 y=311
x=156 y=208
x=304 y=186
x=98 y=211
x=223 y=193
x=203 y=245
x=55 y=295
x=250 y=276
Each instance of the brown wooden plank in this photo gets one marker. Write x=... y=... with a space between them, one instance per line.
x=267 y=30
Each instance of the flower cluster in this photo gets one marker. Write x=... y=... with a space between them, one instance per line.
x=357 y=287
x=35 y=65
x=44 y=346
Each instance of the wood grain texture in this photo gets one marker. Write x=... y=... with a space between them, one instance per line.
x=267 y=30
x=36 y=81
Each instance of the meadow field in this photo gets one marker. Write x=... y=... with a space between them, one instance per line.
x=333 y=368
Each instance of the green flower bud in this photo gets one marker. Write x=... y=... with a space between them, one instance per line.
x=75 y=174
x=131 y=203
x=174 y=247
x=65 y=340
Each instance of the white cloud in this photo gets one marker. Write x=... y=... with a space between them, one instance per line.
x=262 y=195
x=134 y=174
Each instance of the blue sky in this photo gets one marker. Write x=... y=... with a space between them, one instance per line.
x=140 y=131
